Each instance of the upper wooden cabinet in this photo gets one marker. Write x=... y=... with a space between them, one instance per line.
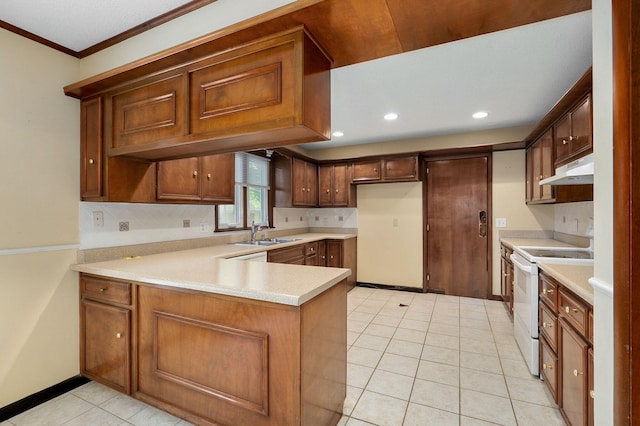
x=394 y=169
x=273 y=91
x=573 y=133
x=209 y=179
x=540 y=166
x=295 y=181
x=334 y=186
x=91 y=148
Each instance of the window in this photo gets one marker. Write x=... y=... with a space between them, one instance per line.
x=252 y=194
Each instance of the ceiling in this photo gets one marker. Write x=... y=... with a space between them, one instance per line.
x=516 y=75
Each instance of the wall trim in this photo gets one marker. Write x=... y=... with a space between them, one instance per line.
x=41 y=397
x=28 y=250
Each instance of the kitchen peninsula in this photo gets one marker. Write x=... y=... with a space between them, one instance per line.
x=216 y=340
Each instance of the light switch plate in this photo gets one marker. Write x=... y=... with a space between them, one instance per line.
x=501 y=222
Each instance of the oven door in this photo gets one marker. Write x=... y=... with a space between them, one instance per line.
x=525 y=311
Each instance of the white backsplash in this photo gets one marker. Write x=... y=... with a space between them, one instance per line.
x=151 y=223
x=574 y=218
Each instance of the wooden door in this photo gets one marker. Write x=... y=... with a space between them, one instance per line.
x=457 y=261
x=218 y=178
x=179 y=179
x=91 y=148
x=334 y=254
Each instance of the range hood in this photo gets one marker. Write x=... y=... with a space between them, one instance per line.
x=578 y=172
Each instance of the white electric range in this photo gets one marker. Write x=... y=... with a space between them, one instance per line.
x=525 y=293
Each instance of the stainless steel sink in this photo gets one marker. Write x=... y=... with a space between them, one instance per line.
x=270 y=242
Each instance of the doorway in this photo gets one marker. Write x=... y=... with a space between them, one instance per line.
x=457 y=226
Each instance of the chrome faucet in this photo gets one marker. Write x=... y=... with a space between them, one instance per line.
x=255 y=228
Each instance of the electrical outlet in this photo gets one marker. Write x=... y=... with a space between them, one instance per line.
x=501 y=222
x=186 y=223
x=340 y=218
x=98 y=219
x=205 y=227
x=123 y=226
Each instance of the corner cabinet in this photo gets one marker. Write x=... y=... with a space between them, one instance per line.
x=295 y=181
x=106 y=327
x=334 y=186
x=209 y=179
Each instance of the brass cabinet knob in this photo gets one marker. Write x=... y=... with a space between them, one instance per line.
x=547 y=291
x=327 y=191
x=547 y=367
x=90 y=160
x=577 y=373
x=592 y=394
x=564 y=141
x=568 y=310
x=102 y=289
x=336 y=191
x=195 y=173
x=118 y=335
x=209 y=176
x=547 y=325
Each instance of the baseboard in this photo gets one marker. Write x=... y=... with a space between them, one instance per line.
x=43 y=396
x=389 y=287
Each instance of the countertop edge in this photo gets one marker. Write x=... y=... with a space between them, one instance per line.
x=570 y=280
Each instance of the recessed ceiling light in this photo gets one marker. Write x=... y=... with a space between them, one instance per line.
x=390 y=116
x=337 y=134
x=480 y=114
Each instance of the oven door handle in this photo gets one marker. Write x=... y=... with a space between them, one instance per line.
x=522 y=266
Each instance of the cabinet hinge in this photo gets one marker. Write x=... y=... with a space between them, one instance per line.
x=428 y=277
x=427 y=227
x=427 y=170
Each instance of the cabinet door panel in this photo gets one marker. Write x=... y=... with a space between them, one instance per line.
x=334 y=254
x=218 y=178
x=574 y=352
x=341 y=185
x=581 y=132
x=106 y=343
x=91 y=148
x=366 y=171
x=150 y=113
x=179 y=179
x=325 y=185
x=547 y=167
x=562 y=130
x=400 y=168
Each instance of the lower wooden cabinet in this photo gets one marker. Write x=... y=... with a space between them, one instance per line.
x=106 y=332
x=506 y=277
x=566 y=353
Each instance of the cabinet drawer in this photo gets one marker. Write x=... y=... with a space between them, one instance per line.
x=576 y=312
x=105 y=290
x=549 y=326
x=548 y=291
x=549 y=367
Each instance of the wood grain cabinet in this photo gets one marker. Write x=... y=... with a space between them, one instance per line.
x=573 y=133
x=394 y=169
x=539 y=167
x=216 y=98
x=566 y=350
x=295 y=181
x=106 y=329
x=208 y=179
x=104 y=178
x=334 y=186
x=343 y=254
x=506 y=277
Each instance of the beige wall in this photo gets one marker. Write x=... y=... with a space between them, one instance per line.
x=389 y=234
x=39 y=192
x=508 y=202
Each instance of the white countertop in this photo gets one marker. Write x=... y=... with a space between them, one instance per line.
x=210 y=269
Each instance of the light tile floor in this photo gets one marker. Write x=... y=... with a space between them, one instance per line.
x=413 y=359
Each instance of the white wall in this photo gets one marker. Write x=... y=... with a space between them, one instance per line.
x=39 y=175
x=603 y=210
